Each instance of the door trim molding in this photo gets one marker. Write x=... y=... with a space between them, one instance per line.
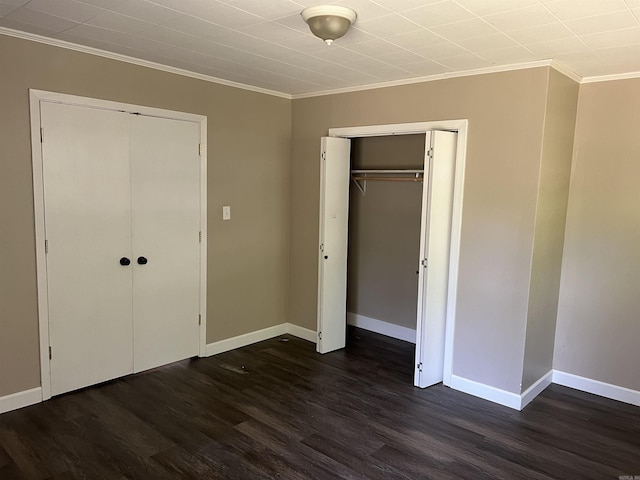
x=36 y=97
x=461 y=127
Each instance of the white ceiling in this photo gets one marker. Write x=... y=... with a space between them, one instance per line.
x=266 y=44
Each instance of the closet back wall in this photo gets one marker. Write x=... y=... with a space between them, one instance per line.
x=248 y=168
x=384 y=232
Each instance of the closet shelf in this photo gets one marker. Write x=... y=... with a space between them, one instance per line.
x=404 y=175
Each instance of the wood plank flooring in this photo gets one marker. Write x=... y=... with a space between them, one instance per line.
x=277 y=409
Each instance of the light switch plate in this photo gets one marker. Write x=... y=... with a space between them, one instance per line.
x=226 y=213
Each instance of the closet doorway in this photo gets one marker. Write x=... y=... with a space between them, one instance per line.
x=120 y=204
x=437 y=263
x=385 y=210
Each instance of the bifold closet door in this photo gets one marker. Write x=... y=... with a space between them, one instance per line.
x=165 y=186
x=332 y=256
x=435 y=242
x=88 y=230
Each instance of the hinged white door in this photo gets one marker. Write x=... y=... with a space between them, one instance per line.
x=88 y=229
x=165 y=186
x=435 y=240
x=332 y=249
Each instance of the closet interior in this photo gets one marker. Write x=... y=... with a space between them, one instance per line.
x=384 y=233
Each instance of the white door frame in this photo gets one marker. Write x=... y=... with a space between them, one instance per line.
x=461 y=127
x=36 y=97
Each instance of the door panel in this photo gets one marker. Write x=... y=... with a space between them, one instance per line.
x=88 y=229
x=332 y=260
x=165 y=180
x=435 y=240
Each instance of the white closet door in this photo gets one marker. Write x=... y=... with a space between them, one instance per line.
x=85 y=154
x=165 y=180
x=435 y=241
x=332 y=260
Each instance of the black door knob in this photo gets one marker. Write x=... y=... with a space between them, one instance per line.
x=142 y=261
x=124 y=261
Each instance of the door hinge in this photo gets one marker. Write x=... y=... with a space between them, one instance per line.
x=50 y=356
x=430 y=152
x=200 y=236
x=41 y=134
x=324 y=155
x=199 y=319
x=46 y=246
x=320 y=335
x=423 y=262
x=419 y=366
x=322 y=247
x=200 y=149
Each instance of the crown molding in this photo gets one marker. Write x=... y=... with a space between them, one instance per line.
x=137 y=61
x=220 y=81
x=566 y=71
x=430 y=78
x=609 y=78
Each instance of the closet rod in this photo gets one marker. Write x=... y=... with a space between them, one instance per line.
x=387 y=176
x=386 y=171
x=388 y=179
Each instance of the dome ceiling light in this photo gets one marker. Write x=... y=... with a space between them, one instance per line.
x=329 y=22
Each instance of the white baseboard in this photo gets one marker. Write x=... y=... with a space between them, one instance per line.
x=382 y=327
x=502 y=397
x=301 y=332
x=597 y=387
x=258 y=336
x=20 y=399
x=536 y=389
x=493 y=394
x=246 y=339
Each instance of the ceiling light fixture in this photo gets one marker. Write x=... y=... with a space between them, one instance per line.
x=329 y=22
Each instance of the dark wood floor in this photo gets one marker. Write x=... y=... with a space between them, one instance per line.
x=277 y=409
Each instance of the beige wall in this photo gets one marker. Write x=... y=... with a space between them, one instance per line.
x=506 y=119
x=598 y=327
x=263 y=266
x=384 y=232
x=249 y=168
x=551 y=214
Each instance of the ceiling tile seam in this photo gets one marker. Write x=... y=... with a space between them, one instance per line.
x=520 y=44
x=501 y=31
x=187 y=15
x=575 y=35
x=101 y=10
x=311 y=54
x=13 y=10
x=478 y=17
x=270 y=59
x=259 y=69
x=230 y=46
x=409 y=73
x=579 y=37
x=482 y=19
x=123 y=34
x=445 y=41
x=228 y=4
x=204 y=77
x=136 y=61
x=25 y=6
x=631 y=10
x=430 y=78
